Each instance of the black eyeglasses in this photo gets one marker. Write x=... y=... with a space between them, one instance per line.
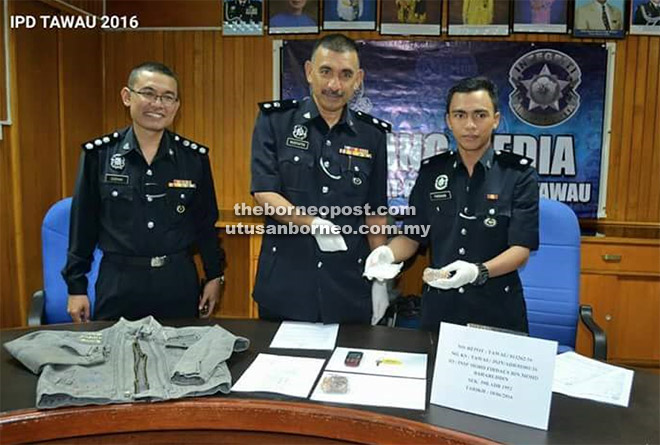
x=166 y=99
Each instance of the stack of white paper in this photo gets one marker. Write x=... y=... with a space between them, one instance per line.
x=582 y=377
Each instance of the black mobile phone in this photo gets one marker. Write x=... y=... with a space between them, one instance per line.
x=353 y=358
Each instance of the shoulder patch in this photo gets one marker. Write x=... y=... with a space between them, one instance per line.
x=435 y=159
x=278 y=105
x=190 y=145
x=378 y=123
x=100 y=141
x=513 y=160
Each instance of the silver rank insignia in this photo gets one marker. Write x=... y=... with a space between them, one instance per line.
x=490 y=222
x=117 y=162
x=441 y=182
x=180 y=208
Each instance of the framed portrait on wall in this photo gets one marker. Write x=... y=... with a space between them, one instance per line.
x=478 y=17
x=542 y=16
x=410 y=17
x=645 y=17
x=358 y=15
x=293 y=16
x=599 y=18
x=242 y=18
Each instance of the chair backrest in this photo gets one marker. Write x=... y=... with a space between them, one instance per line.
x=55 y=242
x=551 y=277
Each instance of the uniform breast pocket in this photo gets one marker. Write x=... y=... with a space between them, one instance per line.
x=495 y=217
x=117 y=204
x=179 y=201
x=356 y=173
x=295 y=167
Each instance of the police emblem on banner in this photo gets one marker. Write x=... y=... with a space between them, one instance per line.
x=441 y=182
x=545 y=85
x=117 y=162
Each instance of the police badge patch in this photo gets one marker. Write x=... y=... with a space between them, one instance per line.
x=117 y=162
x=299 y=134
x=545 y=85
x=441 y=182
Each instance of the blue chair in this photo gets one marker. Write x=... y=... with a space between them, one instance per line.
x=49 y=304
x=551 y=281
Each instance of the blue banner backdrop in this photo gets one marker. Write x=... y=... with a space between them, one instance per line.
x=551 y=99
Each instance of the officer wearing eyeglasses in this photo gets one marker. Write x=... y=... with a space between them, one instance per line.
x=145 y=195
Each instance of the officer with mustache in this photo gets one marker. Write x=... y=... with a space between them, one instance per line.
x=317 y=152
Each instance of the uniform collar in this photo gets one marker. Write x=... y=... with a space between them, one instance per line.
x=486 y=159
x=309 y=112
x=129 y=143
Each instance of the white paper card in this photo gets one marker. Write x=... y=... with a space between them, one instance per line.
x=376 y=390
x=396 y=364
x=301 y=335
x=586 y=378
x=293 y=376
x=494 y=374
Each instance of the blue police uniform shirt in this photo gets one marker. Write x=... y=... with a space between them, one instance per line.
x=474 y=219
x=295 y=154
x=132 y=208
x=288 y=20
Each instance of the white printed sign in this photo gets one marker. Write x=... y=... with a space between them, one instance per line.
x=494 y=374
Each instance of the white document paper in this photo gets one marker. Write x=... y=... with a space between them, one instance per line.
x=293 y=376
x=301 y=335
x=396 y=364
x=494 y=374
x=586 y=378
x=375 y=390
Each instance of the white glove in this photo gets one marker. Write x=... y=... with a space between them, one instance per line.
x=380 y=264
x=328 y=236
x=380 y=301
x=463 y=273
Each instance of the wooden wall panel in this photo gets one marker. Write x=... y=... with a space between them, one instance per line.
x=36 y=144
x=56 y=104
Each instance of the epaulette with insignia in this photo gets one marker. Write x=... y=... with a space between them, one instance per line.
x=512 y=159
x=278 y=105
x=438 y=158
x=194 y=146
x=100 y=141
x=379 y=123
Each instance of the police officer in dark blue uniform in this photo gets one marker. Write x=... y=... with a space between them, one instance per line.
x=482 y=206
x=317 y=152
x=146 y=196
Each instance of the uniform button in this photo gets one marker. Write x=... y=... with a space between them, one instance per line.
x=183 y=196
x=465 y=210
x=461 y=290
x=296 y=158
x=463 y=231
x=319 y=265
x=467 y=189
x=274 y=249
x=115 y=193
x=461 y=251
x=359 y=260
x=506 y=289
x=150 y=224
x=325 y=189
x=326 y=164
x=149 y=172
x=149 y=198
x=491 y=211
x=328 y=143
x=356 y=168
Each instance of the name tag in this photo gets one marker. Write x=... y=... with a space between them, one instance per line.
x=295 y=143
x=116 y=179
x=440 y=196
